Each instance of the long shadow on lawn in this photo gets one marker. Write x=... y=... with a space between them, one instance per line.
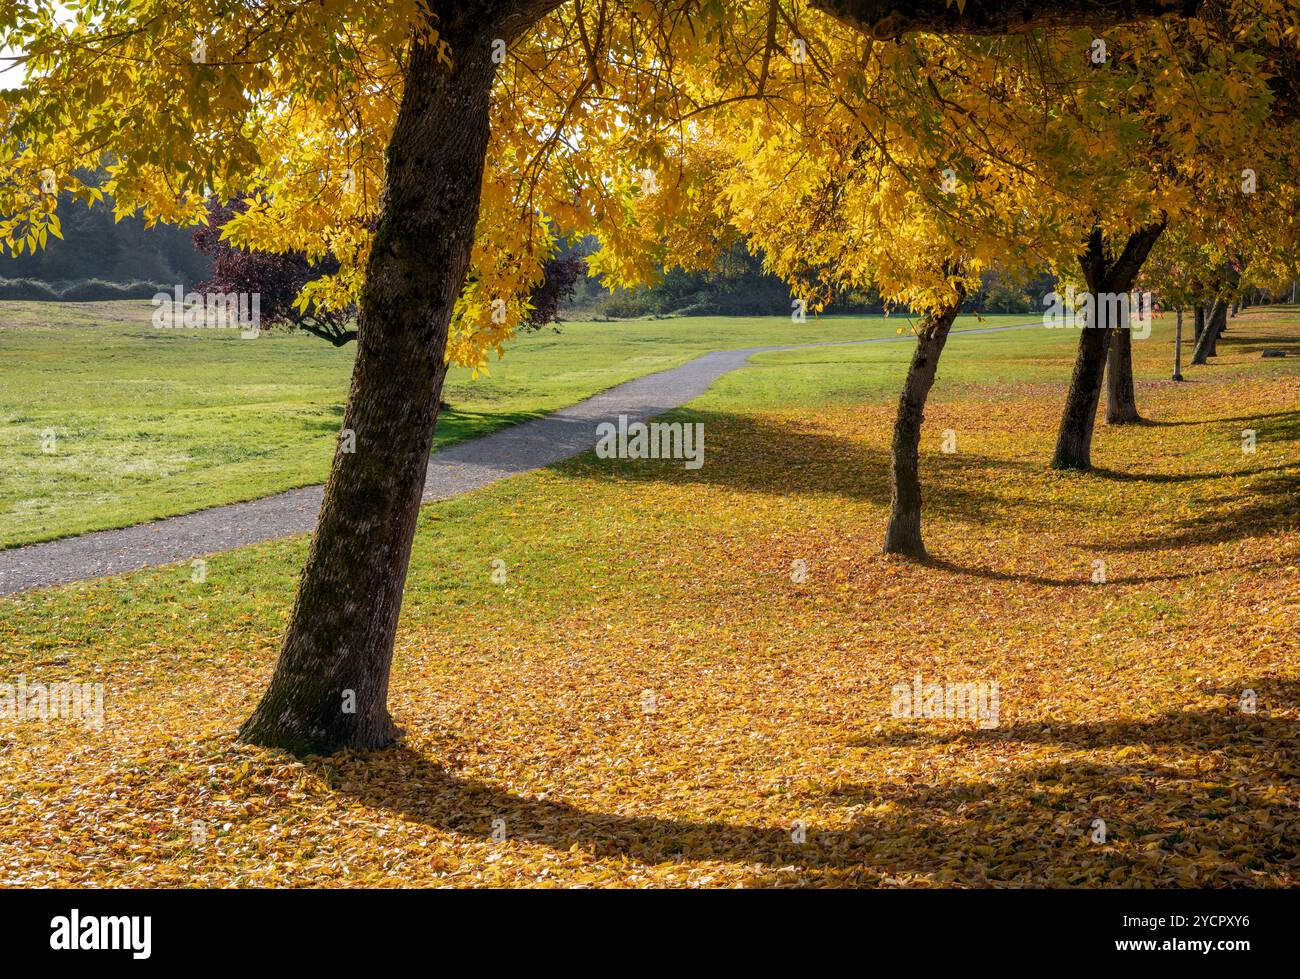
x=1137 y=477
x=1292 y=416
x=1014 y=826
x=1272 y=506
x=751 y=453
x=992 y=574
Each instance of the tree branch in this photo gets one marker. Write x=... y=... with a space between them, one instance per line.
x=887 y=19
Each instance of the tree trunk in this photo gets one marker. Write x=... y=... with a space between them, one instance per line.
x=903 y=535
x=330 y=686
x=1218 y=326
x=1199 y=328
x=1178 y=348
x=1104 y=274
x=1205 y=345
x=1121 y=401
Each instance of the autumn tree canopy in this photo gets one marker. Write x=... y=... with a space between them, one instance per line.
x=439 y=151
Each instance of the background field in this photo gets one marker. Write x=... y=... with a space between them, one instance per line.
x=152 y=423
x=1119 y=700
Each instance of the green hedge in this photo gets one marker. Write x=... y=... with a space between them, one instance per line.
x=81 y=291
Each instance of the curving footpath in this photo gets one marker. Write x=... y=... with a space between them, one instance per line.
x=458 y=469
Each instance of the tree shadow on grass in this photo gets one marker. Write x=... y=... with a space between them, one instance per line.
x=1132 y=477
x=1028 y=823
x=1224 y=730
x=1232 y=799
x=404 y=781
x=1272 y=507
x=752 y=454
x=1270 y=693
x=1253 y=343
x=1083 y=580
x=1293 y=417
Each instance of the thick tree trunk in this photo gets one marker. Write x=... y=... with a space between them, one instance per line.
x=1074 y=438
x=903 y=535
x=1104 y=274
x=330 y=686
x=1199 y=327
x=1121 y=400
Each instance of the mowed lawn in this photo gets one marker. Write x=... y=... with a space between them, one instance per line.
x=655 y=696
x=148 y=423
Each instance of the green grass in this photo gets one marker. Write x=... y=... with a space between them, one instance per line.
x=151 y=423
x=523 y=700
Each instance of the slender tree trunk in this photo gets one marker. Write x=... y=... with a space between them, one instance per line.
x=1104 y=274
x=1121 y=400
x=1218 y=326
x=1205 y=346
x=330 y=686
x=903 y=535
x=1178 y=348
x=1199 y=327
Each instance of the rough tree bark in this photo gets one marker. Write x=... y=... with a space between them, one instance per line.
x=329 y=690
x=1121 y=397
x=903 y=535
x=1178 y=348
x=1217 y=323
x=1104 y=274
x=1206 y=344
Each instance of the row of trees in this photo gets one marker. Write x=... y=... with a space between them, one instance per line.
x=437 y=151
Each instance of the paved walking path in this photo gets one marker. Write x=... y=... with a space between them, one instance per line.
x=457 y=469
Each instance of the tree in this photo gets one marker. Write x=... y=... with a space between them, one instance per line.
x=280 y=278
x=560 y=275
x=276 y=278
x=1111 y=274
x=903 y=532
x=363 y=132
x=1237 y=51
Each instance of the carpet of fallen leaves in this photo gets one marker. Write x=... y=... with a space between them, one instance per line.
x=651 y=699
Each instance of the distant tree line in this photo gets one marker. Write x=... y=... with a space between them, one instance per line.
x=100 y=259
x=737 y=285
